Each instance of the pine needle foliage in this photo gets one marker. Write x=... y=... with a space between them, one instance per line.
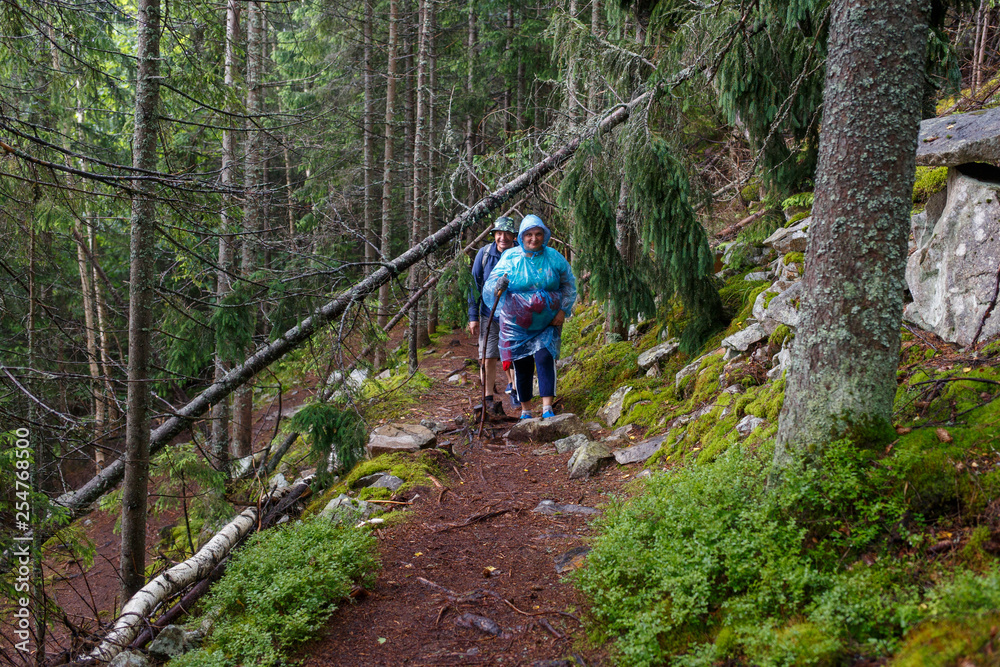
x=331 y=429
x=624 y=289
x=673 y=255
x=660 y=192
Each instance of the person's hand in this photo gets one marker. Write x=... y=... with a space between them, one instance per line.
x=558 y=320
x=474 y=328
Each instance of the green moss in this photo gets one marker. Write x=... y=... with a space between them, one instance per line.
x=706 y=380
x=951 y=643
x=794 y=258
x=597 y=373
x=929 y=181
x=798 y=217
x=768 y=401
x=751 y=191
x=392 y=398
x=782 y=334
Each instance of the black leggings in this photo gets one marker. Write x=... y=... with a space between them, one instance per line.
x=524 y=370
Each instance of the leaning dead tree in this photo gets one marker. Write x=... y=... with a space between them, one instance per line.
x=78 y=502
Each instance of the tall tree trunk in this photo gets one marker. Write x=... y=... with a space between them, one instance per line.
x=371 y=238
x=470 y=133
x=429 y=324
x=594 y=101
x=508 y=123
x=106 y=389
x=141 y=278
x=843 y=372
x=623 y=243
x=223 y=284
x=419 y=158
x=390 y=111
x=289 y=199
x=93 y=363
x=253 y=207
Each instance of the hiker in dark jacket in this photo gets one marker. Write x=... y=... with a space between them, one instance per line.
x=487 y=257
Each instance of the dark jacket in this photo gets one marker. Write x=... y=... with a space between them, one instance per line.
x=486 y=259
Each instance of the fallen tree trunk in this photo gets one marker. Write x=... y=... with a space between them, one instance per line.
x=77 y=502
x=169 y=583
x=148 y=634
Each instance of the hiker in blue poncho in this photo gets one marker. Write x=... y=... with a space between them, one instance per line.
x=487 y=258
x=539 y=297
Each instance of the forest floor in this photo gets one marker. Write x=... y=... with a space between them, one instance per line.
x=476 y=554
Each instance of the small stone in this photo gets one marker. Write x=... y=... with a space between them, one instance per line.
x=344 y=509
x=547 y=450
x=640 y=452
x=384 y=375
x=552 y=508
x=757 y=276
x=612 y=410
x=790 y=239
x=393 y=438
x=657 y=353
x=169 y=643
x=546 y=430
x=748 y=425
x=278 y=482
x=458 y=378
x=742 y=340
x=435 y=427
x=654 y=372
x=390 y=482
x=570 y=444
x=572 y=559
x=587 y=460
x=643 y=474
x=129 y=659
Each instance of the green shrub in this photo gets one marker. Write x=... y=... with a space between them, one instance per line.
x=279 y=591
x=710 y=563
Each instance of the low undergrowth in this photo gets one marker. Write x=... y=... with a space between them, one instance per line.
x=709 y=563
x=279 y=590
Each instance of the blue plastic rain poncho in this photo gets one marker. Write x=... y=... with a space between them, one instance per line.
x=541 y=284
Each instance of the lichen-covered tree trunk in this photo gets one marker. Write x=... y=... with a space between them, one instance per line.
x=140 y=319
x=842 y=378
x=390 y=118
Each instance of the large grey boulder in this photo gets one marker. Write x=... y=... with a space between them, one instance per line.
x=790 y=239
x=657 y=353
x=586 y=460
x=952 y=274
x=639 y=452
x=959 y=139
x=546 y=430
x=612 y=410
x=749 y=424
x=393 y=438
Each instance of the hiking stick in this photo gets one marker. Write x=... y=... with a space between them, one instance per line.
x=497 y=293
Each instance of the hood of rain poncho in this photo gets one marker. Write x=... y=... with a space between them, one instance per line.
x=529 y=222
x=540 y=285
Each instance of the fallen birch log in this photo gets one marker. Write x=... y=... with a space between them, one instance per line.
x=174 y=580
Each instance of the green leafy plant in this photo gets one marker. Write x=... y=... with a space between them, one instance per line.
x=331 y=429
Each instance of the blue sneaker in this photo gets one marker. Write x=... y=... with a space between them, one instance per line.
x=509 y=389
x=548 y=414
x=514 y=401
x=525 y=415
